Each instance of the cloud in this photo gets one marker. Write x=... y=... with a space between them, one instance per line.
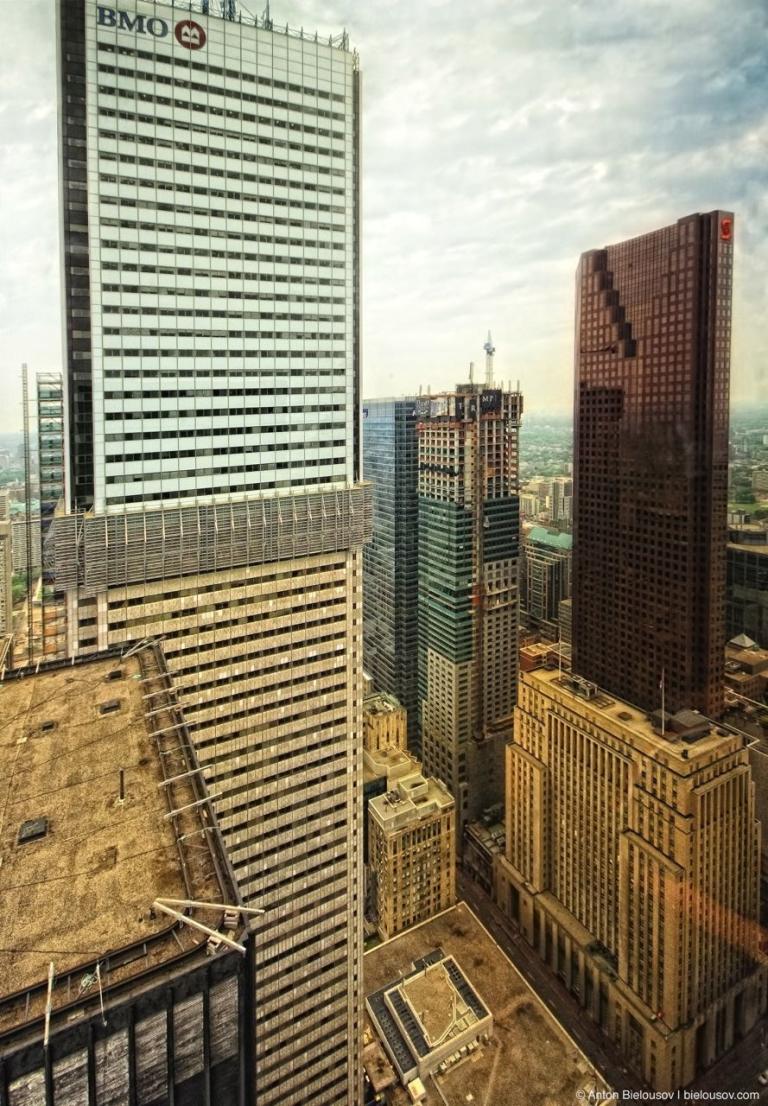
x=29 y=272
x=499 y=142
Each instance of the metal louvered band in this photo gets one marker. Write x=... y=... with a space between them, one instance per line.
x=94 y=552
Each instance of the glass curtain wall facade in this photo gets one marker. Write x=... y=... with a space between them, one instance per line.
x=653 y=323
x=747 y=587
x=390 y=562
x=50 y=445
x=545 y=580
x=210 y=190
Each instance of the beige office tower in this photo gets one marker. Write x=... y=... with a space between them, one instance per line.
x=6 y=568
x=210 y=230
x=632 y=865
x=468 y=560
x=412 y=852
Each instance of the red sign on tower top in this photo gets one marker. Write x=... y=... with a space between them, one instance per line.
x=726 y=229
x=190 y=34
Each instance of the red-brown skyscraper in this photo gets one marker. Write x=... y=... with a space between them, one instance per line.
x=653 y=325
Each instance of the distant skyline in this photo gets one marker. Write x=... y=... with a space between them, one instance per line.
x=497 y=146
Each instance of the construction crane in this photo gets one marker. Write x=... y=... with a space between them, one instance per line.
x=490 y=349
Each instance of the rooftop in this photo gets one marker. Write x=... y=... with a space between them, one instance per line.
x=414 y=797
x=749 y=540
x=80 y=867
x=555 y=539
x=687 y=736
x=381 y=702
x=236 y=12
x=530 y=1059
x=492 y=837
x=388 y=763
x=434 y=1007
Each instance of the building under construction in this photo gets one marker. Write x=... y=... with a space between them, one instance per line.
x=125 y=950
x=468 y=563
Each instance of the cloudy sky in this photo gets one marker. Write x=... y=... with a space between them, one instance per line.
x=501 y=138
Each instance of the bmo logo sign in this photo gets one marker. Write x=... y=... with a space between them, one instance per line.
x=187 y=33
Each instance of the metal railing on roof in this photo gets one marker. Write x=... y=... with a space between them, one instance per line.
x=237 y=13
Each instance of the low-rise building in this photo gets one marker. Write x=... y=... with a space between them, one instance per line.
x=412 y=852
x=385 y=723
x=746 y=668
x=529 y=1058
x=483 y=844
x=125 y=957
x=428 y=1017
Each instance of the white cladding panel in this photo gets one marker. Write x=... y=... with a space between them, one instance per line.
x=221 y=185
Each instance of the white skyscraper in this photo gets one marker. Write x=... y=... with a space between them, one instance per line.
x=210 y=177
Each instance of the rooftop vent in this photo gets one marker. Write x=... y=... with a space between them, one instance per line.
x=32 y=830
x=47 y=726
x=110 y=706
x=625 y=716
x=579 y=686
x=115 y=674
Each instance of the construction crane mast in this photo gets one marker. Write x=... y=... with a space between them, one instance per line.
x=490 y=349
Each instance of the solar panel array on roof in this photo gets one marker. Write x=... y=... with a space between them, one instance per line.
x=433 y=957
x=462 y=986
x=396 y=1042
x=410 y=1022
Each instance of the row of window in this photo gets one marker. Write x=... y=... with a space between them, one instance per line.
x=124 y=139
x=213 y=194
x=229 y=90
x=201 y=434
x=331 y=233
x=170 y=454
x=223 y=490
x=156 y=60
x=263 y=263
x=295 y=355
x=157 y=248
x=177 y=107
x=272 y=385
x=198 y=165
x=206 y=335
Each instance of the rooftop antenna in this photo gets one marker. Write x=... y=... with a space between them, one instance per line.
x=267 y=18
x=489 y=352
x=471 y=372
